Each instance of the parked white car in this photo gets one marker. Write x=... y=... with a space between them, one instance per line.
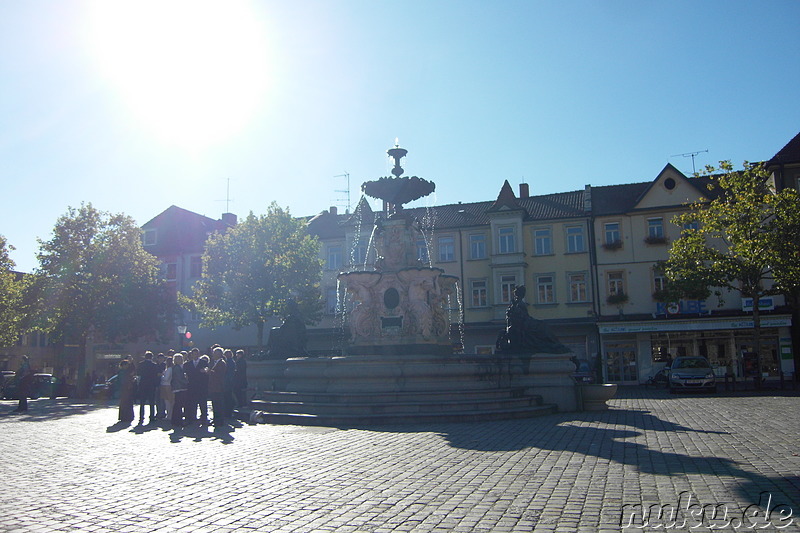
x=692 y=373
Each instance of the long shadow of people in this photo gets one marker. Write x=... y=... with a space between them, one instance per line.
x=118 y=426
x=200 y=433
x=582 y=434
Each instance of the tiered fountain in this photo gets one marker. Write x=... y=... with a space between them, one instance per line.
x=399 y=365
x=399 y=305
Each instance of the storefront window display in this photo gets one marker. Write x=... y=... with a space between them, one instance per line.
x=728 y=351
x=621 y=363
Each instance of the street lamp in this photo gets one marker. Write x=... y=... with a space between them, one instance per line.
x=182 y=334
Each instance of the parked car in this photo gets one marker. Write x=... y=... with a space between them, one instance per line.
x=108 y=390
x=63 y=389
x=41 y=385
x=691 y=373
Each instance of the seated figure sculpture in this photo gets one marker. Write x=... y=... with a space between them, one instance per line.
x=525 y=334
x=289 y=339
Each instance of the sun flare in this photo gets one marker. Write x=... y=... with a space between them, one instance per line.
x=192 y=73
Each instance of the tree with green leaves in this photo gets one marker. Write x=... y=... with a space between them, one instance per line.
x=11 y=294
x=254 y=269
x=96 y=280
x=744 y=239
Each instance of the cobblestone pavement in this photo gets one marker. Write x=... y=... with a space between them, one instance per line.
x=66 y=467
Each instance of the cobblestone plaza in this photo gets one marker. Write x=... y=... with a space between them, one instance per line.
x=653 y=462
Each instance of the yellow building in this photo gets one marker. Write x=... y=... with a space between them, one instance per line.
x=587 y=260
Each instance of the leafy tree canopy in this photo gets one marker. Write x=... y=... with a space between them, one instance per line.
x=95 y=275
x=11 y=291
x=251 y=271
x=745 y=239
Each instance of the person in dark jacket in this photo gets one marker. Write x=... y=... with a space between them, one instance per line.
x=201 y=388
x=230 y=373
x=240 y=380
x=127 y=390
x=190 y=369
x=148 y=383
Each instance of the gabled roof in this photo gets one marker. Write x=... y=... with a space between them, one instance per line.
x=624 y=198
x=180 y=231
x=506 y=200
x=788 y=154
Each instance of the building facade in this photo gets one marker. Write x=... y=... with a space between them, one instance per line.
x=588 y=259
x=589 y=262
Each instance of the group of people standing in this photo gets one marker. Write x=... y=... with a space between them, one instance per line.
x=178 y=386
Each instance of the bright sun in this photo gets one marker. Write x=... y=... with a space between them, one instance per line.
x=192 y=72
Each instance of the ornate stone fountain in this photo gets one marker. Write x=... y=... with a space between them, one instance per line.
x=399 y=307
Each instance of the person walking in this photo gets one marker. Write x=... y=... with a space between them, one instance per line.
x=180 y=387
x=216 y=386
x=148 y=383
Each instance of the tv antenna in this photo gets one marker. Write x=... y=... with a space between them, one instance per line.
x=692 y=155
x=227 y=199
x=346 y=191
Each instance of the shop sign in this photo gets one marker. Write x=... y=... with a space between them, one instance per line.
x=691 y=325
x=683 y=307
x=108 y=356
x=764 y=304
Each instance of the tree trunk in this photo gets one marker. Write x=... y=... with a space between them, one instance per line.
x=85 y=365
x=757 y=339
x=260 y=335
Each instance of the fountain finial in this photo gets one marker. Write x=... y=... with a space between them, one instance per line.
x=397 y=154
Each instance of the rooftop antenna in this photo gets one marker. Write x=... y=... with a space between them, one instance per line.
x=346 y=191
x=692 y=155
x=227 y=199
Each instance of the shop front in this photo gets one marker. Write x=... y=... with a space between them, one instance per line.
x=633 y=351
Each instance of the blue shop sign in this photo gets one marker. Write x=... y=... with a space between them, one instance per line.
x=683 y=307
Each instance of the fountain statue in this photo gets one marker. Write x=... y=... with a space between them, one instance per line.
x=525 y=334
x=399 y=306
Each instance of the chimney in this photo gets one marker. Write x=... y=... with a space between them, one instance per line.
x=229 y=219
x=334 y=210
x=524 y=191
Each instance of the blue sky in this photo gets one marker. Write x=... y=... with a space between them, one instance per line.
x=135 y=107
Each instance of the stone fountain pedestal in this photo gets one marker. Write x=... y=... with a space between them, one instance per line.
x=379 y=389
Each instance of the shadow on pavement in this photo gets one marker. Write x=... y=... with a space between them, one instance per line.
x=46 y=409
x=607 y=435
x=195 y=433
